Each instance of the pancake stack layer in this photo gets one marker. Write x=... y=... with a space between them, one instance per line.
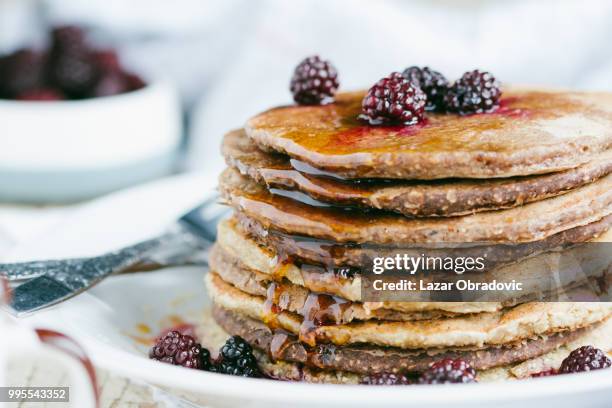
x=315 y=192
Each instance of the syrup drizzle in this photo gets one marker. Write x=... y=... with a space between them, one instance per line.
x=320 y=310
x=281 y=340
x=271 y=307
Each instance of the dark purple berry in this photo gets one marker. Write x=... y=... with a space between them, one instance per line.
x=314 y=82
x=73 y=66
x=585 y=358
x=236 y=358
x=22 y=71
x=448 y=371
x=394 y=99
x=175 y=348
x=386 y=379
x=41 y=94
x=74 y=73
x=67 y=40
x=474 y=92
x=433 y=83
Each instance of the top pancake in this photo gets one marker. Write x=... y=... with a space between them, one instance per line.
x=411 y=198
x=533 y=132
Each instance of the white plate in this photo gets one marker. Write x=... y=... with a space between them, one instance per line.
x=105 y=320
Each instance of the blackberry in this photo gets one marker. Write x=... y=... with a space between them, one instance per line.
x=175 y=348
x=393 y=99
x=40 y=94
x=448 y=371
x=314 y=82
x=22 y=71
x=74 y=73
x=474 y=92
x=67 y=39
x=73 y=66
x=433 y=83
x=386 y=379
x=585 y=358
x=236 y=358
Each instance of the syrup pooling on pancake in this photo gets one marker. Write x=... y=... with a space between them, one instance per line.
x=523 y=137
x=531 y=222
x=419 y=198
x=352 y=256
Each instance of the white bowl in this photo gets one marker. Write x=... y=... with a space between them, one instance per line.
x=72 y=150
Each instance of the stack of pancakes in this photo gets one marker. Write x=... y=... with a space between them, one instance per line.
x=315 y=192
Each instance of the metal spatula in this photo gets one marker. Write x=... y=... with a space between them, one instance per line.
x=40 y=284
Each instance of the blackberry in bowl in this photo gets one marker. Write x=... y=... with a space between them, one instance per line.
x=65 y=142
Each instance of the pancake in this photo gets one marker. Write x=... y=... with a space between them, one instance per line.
x=367 y=359
x=259 y=258
x=479 y=330
x=447 y=198
x=283 y=294
x=531 y=222
x=329 y=253
x=533 y=132
x=212 y=336
x=286 y=295
x=243 y=252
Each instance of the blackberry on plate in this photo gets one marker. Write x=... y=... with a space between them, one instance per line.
x=175 y=348
x=386 y=379
x=236 y=358
x=585 y=358
x=393 y=100
x=314 y=82
x=474 y=92
x=448 y=371
x=433 y=83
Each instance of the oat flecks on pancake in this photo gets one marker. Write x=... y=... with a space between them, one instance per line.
x=212 y=336
x=375 y=359
x=294 y=291
x=452 y=198
x=294 y=296
x=260 y=259
x=521 y=322
x=531 y=222
x=534 y=132
x=325 y=252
